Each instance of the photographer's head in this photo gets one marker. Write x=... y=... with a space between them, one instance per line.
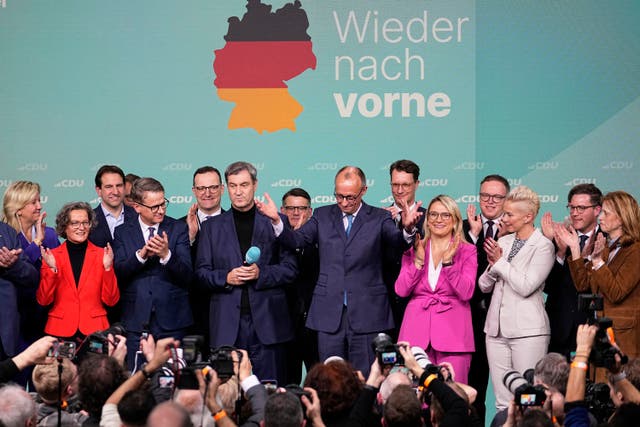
x=390 y=383
x=46 y=380
x=17 y=408
x=552 y=372
x=283 y=409
x=402 y=408
x=337 y=387
x=98 y=377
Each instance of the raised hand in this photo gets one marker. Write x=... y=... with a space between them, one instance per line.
x=598 y=248
x=568 y=237
x=48 y=258
x=419 y=251
x=192 y=221
x=107 y=259
x=410 y=216
x=493 y=250
x=268 y=209
x=547 y=226
x=475 y=221
x=451 y=250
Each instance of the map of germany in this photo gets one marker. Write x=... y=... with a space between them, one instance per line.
x=262 y=51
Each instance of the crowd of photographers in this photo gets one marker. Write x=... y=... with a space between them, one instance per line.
x=175 y=387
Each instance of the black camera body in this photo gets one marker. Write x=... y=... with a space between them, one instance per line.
x=603 y=352
x=98 y=342
x=221 y=360
x=66 y=349
x=525 y=394
x=386 y=351
x=598 y=401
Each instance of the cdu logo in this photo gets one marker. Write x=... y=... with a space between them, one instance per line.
x=467 y=198
x=44 y=199
x=618 y=164
x=469 y=166
x=319 y=166
x=176 y=166
x=387 y=200
x=548 y=198
x=544 y=166
x=576 y=181
x=324 y=199
x=180 y=200
x=287 y=182
x=434 y=182
x=33 y=167
x=513 y=182
x=69 y=183
x=5 y=182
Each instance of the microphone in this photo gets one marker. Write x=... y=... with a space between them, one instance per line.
x=252 y=256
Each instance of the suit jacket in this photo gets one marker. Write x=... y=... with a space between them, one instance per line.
x=77 y=307
x=392 y=264
x=562 y=305
x=480 y=300
x=152 y=287
x=352 y=264
x=218 y=253
x=619 y=282
x=440 y=317
x=517 y=304
x=22 y=274
x=101 y=235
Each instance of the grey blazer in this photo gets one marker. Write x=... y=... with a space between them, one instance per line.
x=517 y=305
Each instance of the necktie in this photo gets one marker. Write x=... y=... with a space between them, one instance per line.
x=583 y=241
x=349 y=224
x=152 y=231
x=489 y=232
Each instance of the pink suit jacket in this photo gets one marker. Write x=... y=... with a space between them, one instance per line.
x=440 y=317
x=77 y=307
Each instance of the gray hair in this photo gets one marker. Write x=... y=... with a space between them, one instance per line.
x=237 y=167
x=16 y=407
x=553 y=370
x=142 y=185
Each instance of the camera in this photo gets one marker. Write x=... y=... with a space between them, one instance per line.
x=221 y=360
x=98 y=342
x=66 y=349
x=191 y=349
x=598 y=401
x=525 y=394
x=386 y=351
x=603 y=353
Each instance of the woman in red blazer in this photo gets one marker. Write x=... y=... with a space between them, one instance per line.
x=77 y=277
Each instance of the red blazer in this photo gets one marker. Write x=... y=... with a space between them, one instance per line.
x=77 y=307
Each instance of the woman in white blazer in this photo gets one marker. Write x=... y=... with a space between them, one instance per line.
x=517 y=326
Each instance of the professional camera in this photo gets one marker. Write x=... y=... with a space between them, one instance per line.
x=598 y=401
x=66 y=349
x=386 y=351
x=525 y=393
x=298 y=392
x=191 y=360
x=603 y=352
x=221 y=360
x=98 y=342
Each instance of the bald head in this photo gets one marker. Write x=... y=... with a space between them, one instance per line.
x=169 y=414
x=350 y=187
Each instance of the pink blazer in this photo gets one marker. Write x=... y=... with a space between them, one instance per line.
x=440 y=317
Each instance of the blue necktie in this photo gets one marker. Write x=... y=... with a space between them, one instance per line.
x=583 y=240
x=349 y=224
x=152 y=231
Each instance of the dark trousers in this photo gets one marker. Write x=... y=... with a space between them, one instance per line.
x=479 y=370
x=348 y=344
x=269 y=362
x=303 y=349
x=133 y=342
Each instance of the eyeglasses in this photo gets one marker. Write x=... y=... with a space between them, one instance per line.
x=350 y=199
x=211 y=188
x=446 y=216
x=156 y=208
x=496 y=198
x=78 y=224
x=404 y=186
x=296 y=208
x=579 y=209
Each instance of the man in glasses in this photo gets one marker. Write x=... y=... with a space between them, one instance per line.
x=154 y=269
x=585 y=204
x=350 y=304
x=493 y=191
x=207 y=187
x=248 y=305
x=296 y=205
x=405 y=178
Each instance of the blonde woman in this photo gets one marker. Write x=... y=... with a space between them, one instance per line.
x=517 y=326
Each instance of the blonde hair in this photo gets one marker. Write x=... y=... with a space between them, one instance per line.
x=524 y=194
x=18 y=195
x=45 y=378
x=626 y=207
x=452 y=207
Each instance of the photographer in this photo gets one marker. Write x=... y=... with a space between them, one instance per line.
x=575 y=408
x=455 y=409
x=34 y=354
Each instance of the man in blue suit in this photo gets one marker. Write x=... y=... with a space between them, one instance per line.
x=110 y=213
x=154 y=270
x=350 y=304
x=248 y=306
x=15 y=273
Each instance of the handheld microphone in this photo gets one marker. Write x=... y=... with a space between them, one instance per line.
x=252 y=256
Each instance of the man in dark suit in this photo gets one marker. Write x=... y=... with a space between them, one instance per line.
x=350 y=304
x=154 y=269
x=296 y=205
x=493 y=190
x=207 y=188
x=248 y=305
x=585 y=204
x=111 y=212
x=404 y=176
x=15 y=273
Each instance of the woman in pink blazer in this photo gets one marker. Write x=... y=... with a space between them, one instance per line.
x=439 y=275
x=77 y=277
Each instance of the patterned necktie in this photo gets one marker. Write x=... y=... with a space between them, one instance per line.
x=349 y=224
x=489 y=232
x=152 y=232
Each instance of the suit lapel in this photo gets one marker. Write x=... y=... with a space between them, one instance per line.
x=233 y=237
x=338 y=223
x=359 y=220
x=68 y=272
x=88 y=265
